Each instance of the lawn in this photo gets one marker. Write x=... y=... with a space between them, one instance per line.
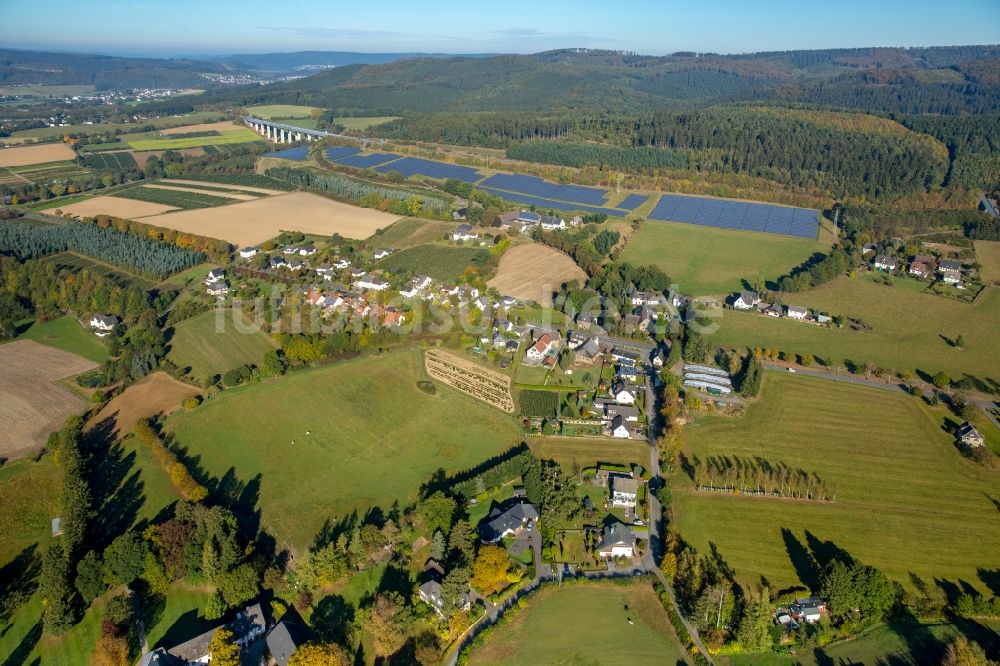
x=441 y=262
x=410 y=231
x=577 y=453
x=214 y=342
x=907 y=329
x=67 y=334
x=271 y=111
x=988 y=254
x=706 y=260
x=239 y=135
x=585 y=624
x=907 y=501
x=180 y=618
x=320 y=443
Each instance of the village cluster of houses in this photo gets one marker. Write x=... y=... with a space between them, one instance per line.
x=751 y=300
x=921 y=266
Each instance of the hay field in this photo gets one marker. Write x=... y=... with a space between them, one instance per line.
x=988 y=254
x=33 y=403
x=202 y=127
x=23 y=155
x=108 y=205
x=533 y=272
x=153 y=395
x=253 y=222
x=220 y=193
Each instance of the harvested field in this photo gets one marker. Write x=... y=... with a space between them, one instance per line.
x=470 y=378
x=142 y=156
x=154 y=395
x=107 y=205
x=219 y=193
x=50 y=152
x=33 y=403
x=201 y=127
x=533 y=272
x=253 y=222
x=205 y=185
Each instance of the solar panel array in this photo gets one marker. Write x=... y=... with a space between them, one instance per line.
x=726 y=214
x=633 y=201
x=546 y=204
x=592 y=196
x=296 y=154
x=337 y=152
x=409 y=166
x=366 y=161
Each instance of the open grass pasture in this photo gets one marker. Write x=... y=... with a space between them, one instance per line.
x=575 y=453
x=217 y=341
x=67 y=334
x=271 y=111
x=907 y=501
x=411 y=231
x=224 y=137
x=988 y=255
x=706 y=260
x=441 y=262
x=908 y=329
x=352 y=435
x=585 y=624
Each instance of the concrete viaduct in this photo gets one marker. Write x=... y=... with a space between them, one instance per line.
x=279 y=133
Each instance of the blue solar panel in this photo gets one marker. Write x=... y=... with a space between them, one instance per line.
x=366 y=161
x=633 y=201
x=537 y=187
x=409 y=166
x=728 y=214
x=546 y=204
x=337 y=152
x=296 y=154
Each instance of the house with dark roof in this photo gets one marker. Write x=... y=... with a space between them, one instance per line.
x=284 y=638
x=969 y=436
x=884 y=262
x=746 y=300
x=502 y=522
x=464 y=232
x=624 y=490
x=617 y=540
x=103 y=324
x=249 y=625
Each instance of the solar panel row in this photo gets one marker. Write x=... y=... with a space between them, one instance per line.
x=736 y=215
x=545 y=204
x=409 y=166
x=366 y=161
x=633 y=201
x=296 y=154
x=337 y=152
x=534 y=186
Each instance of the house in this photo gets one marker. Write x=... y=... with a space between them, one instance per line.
x=358 y=273
x=383 y=253
x=619 y=428
x=460 y=214
x=249 y=625
x=501 y=523
x=884 y=262
x=746 y=300
x=627 y=371
x=925 y=259
x=217 y=289
x=341 y=264
x=613 y=410
x=512 y=346
x=623 y=393
x=394 y=317
x=248 y=252
x=508 y=219
x=284 y=638
x=617 y=540
x=919 y=269
x=528 y=217
x=657 y=357
x=541 y=349
x=552 y=223
x=464 y=232
x=807 y=610
x=215 y=275
x=103 y=324
x=795 y=312
x=373 y=283
x=624 y=490
x=588 y=351
x=508 y=301
x=422 y=281
x=950 y=276
x=623 y=356
x=969 y=436
x=949 y=265
x=288 y=249
x=482 y=303
x=278 y=261
x=307 y=251
x=295 y=265
x=867 y=248
x=651 y=298
x=584 y=321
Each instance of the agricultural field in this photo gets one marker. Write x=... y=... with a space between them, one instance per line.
x=115 y=161
x=215 y=192
x=479 y=382
x=221 y=126
x=141 y=157
x=253 y=222
x=320 y=441
x=153 y=395
x=272 y=111
x=577 y=453
x=171 y=197
x=910 y=329
x=67 y=334
x=411 y=231
x=441 y=262
x=705 y=260
x=101 y=128
x=988 y=255
x=213 y=343
x=585 y=623
x=79 y=262
x=229 y=136
x=906 y=500
x=25 y=155
x=209 y=186
x=533 y=272
x=130 y=209
x=34 y=404
x=364 y=122
x=43 y=173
